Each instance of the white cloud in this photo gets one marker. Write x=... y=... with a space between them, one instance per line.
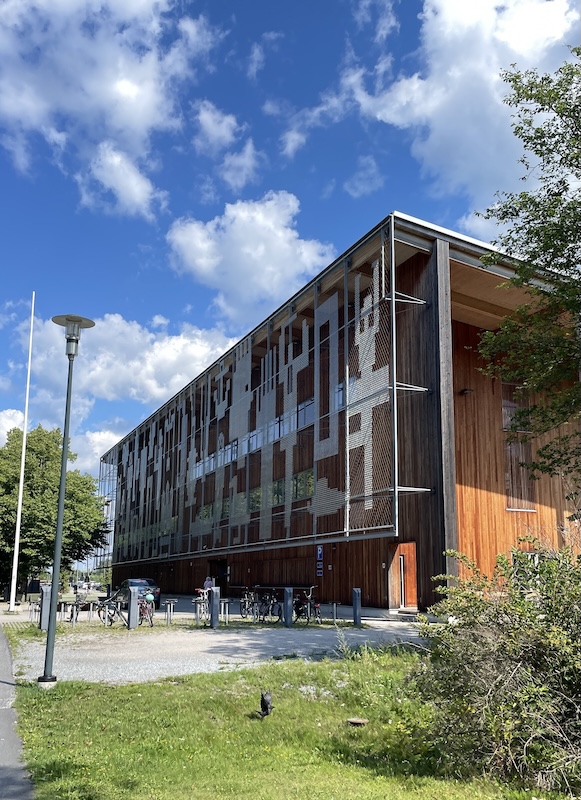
x=257 y=57
x=9 y=418
x=121 y=366
x=216 y=130
x=256 y=60
x=378 y=12
x=82 y=72
x=120 y=359
x=252 y=255
x=366 y=180
x=91 y=445
x=454 y=105
x=239 y=169
x=333 y=107
x=114 y=172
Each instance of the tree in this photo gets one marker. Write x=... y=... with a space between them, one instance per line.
x=503 y=673
x=84 y=524
x=538 y=347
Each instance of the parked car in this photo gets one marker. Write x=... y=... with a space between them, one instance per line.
x=144 y=585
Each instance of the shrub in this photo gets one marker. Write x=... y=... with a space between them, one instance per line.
x=504 y=669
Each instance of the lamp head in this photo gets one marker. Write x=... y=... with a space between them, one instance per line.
x=72 y=325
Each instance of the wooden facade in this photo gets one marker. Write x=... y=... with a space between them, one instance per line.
x=346 y=442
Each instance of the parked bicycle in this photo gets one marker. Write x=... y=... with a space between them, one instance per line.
x=202 y=605
x=110 y=610
x=249 y=604
x=145 y=604
x=269 y=609
x=80 y=601
x=306 y=608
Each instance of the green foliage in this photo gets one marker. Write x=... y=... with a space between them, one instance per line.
x=504 y=671
x=539 y=346
x=84 y=525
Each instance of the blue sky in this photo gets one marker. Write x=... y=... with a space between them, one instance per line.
x=175 y=169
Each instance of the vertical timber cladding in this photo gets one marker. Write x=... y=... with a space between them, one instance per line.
x=285 y=442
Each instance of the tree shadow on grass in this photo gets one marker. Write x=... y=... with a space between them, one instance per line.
x=66 y=771
x=409 y=756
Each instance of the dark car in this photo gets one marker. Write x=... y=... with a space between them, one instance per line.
x=143 y=585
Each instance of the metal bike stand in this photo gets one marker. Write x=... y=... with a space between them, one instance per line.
x=169 y=608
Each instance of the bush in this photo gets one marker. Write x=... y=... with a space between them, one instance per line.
x=504 y=670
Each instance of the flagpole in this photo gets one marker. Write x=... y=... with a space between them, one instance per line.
x=12 y=605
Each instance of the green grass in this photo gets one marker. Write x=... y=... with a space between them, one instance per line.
x=202 y=736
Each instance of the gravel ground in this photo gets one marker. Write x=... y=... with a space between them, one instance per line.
x=116 y=657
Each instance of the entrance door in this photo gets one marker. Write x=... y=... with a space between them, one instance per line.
x=218 y=569
x=402 y=575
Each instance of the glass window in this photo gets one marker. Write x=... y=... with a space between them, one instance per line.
x=303 y=484
x=520 y=489
x=306 y=413
x=277 y=493
x=255 y=499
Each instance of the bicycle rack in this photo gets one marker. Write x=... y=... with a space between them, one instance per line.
x=169 y=609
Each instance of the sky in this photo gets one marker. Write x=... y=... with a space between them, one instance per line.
x=174 y=170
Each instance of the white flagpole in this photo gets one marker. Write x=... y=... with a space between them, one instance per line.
x=12 y=605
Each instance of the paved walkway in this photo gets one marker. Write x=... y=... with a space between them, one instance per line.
x=15 y=783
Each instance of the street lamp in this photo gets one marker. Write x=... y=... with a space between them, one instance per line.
x=72 y=325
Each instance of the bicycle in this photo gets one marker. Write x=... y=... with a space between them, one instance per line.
x=145 y=605
x=202 y=605
x=269 y=609
x=305 y=607
x=248 y=603
x=80 y=601
x=110 y=610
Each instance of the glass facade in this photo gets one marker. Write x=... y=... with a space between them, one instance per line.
x=287 y=438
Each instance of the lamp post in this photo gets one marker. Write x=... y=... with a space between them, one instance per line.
x=72 y=325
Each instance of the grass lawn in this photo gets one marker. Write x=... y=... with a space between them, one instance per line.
x=201 y=735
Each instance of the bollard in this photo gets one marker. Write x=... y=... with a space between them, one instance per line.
x=44 y=607
x=357 y=606
x=214 y=600
x=287 y=607
x=133 y=608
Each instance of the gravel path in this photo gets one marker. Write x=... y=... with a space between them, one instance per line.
x=117 y=657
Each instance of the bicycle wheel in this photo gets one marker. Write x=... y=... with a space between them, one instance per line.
x=106 y=614
x=148 y=615
x=244 y=607
x=275 y=612
x=317 y=613
x=263 y=611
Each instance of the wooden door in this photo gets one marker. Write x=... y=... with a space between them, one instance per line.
x=402 y=588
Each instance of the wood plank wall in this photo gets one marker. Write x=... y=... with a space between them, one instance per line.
x=420 y=439
x=485 y=527
x=346 y=565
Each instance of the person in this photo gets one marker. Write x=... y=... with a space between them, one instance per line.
x=208 y=583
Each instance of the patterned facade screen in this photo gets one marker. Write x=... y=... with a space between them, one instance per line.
x=287 y=439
